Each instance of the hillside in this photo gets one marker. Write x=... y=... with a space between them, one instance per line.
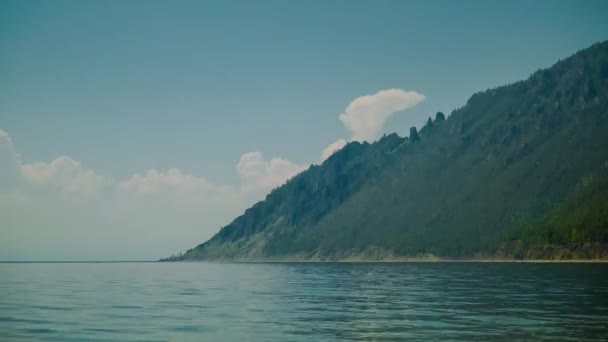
x=518 y=169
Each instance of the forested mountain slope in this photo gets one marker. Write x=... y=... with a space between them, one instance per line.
x=521 y=165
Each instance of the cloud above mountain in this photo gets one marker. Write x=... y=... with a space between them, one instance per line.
x=257 y=173
x=332 y=148
x=365 y=115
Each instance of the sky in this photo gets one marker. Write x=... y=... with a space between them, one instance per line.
x=132 y=130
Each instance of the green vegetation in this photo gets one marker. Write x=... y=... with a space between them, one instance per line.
x=521 y=164
x=582 y=218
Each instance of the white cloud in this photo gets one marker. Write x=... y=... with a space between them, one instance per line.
x=172 y=209
x=258 y=174
x=332 y=148
x=4 y=136
x=173 y=180
x=365 y=116
x=65 y=173
x=7 y=150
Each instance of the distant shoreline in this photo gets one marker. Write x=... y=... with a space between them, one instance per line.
x=396 y=261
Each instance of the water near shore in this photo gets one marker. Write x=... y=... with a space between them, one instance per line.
x=303 y=302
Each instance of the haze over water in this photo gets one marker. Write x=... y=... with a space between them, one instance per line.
x=303 y=302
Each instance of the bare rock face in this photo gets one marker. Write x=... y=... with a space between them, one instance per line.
x=414 y=137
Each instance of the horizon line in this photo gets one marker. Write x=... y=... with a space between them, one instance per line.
x=72 y=261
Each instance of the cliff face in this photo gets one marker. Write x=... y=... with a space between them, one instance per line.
x=507 y=166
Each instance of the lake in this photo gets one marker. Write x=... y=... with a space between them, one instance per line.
x=303 y=301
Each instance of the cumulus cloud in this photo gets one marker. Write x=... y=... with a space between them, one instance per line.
x=7 y=150
x=365 y=116
x=175 y=209
x=259 y=174
x=173 y=180
x=65 y=173
x=4 y=136
x=255 y=172
x=332 y=148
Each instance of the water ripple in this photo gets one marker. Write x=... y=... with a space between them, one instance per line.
x=302 y=302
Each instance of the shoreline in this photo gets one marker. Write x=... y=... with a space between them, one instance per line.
x=396 y=261
x=508 y=252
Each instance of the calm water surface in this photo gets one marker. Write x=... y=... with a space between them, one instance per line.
x=303 y=302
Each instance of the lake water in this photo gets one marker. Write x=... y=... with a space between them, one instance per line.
x=303 y=302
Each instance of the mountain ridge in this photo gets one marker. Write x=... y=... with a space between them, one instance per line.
x=483 y=183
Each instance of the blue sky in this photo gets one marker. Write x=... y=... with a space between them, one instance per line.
x=126 y=87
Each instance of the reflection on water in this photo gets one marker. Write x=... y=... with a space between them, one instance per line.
x=307 y=302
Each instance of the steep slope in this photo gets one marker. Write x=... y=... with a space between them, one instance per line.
x=301 y=202
x=461 y=187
